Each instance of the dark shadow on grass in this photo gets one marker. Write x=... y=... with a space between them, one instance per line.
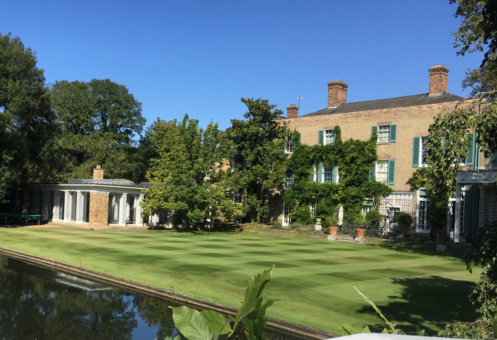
x=435 y=299
x=426 y=248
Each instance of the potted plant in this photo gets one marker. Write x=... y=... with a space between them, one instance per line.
x=333 y=225
x=360 y=226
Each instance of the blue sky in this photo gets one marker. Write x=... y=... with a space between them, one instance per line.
x=201 y=57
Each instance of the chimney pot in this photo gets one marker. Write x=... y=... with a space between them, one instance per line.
x=98 y=173
x=337 y=93
x=292 y=111
x=438 y=79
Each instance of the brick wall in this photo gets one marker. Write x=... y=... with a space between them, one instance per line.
x=411 y=121
x=99 y=210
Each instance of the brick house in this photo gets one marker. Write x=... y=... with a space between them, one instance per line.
x=402 y=126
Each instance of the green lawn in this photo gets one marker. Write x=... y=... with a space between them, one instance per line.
x=313 y=279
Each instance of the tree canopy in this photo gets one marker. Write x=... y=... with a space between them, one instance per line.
x=27 y=122
x=256 y=147
x=98 y=121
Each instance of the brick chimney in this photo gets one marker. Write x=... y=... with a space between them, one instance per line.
x=292 y=111
x=438 y=79
x=337 y=93
x=98 y=173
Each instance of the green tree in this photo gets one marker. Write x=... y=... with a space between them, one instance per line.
x=256 y=147
x=27 y=123
x=185 y=174
x=478 y=27
x=99 y=121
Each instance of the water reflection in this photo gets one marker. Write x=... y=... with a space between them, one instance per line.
x=37 y=303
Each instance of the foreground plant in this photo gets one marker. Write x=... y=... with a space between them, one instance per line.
x=207 y=324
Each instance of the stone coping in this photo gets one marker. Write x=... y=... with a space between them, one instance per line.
x=293 y=330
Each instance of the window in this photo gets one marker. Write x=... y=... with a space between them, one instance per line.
x=423 y=217
x=493 y=159
x=288 y=179
x=422 y=152
x=237 y=196
x=383 y=133
x=329 y=137
x=382 y=171
x=327 y=175
x=289 y=146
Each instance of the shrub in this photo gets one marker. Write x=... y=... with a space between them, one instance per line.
x=403 y=218
x=373 y=217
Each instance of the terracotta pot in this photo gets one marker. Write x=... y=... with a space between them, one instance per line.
x=361 y=233
x=333 y=230
x=462 y=239
x=442 y=239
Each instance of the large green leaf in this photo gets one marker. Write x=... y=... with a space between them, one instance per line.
x=216 y=321
x=255 y=288
x=346 y=329
x=191 y=323
x=366 y=330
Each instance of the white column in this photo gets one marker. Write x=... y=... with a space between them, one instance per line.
x=122 y=210
x=457 y=213
x=138 y=211
x=79 y=207
x=55 y=210
x=67 y=206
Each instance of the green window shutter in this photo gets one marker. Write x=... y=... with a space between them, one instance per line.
x=320 y=173
x=415 y=151
x=334 y=174
x=320 y=137
x=393 y=133
x=374 y=129
x=391 y=171
x=471 y=149
x=372 y=172
x=493 y=159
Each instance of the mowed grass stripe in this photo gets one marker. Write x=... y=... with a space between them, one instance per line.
x=313 y=279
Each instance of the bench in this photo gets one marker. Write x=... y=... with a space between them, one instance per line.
x=20 y=216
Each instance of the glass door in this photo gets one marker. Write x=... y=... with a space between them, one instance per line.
x=74 y=205
x=114 y=209
x=62 y=196
x=130 y=210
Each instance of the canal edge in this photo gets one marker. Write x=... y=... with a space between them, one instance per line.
x=274 y=325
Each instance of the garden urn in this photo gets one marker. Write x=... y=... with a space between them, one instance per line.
x=318 y=225
x=333 y=230
x=442 y=239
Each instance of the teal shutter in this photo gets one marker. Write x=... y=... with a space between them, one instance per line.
x=493 y=159
x=320 y=173
x=372 y=172
x=415 y=151
x=391 y=171
x=334 y=174
x=374 y=129
x=471 y=149
x=320 y=137
x=393 y=133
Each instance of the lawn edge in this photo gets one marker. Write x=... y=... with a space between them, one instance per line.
x=273 y=325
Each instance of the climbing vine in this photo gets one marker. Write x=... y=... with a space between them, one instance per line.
x=353 y=159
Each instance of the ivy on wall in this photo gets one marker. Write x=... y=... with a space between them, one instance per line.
x=353 y=160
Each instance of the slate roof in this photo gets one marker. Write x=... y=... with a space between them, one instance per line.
x=116 y=182
x=414 y=100
x=144 y=185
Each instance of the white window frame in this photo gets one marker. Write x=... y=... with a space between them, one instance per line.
x=288 y=179
x=382 y=134
x=329 y=137
x=386 y=161
x=289 y=145
x=426 y=221
x=330 y=172
x=422 y=148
